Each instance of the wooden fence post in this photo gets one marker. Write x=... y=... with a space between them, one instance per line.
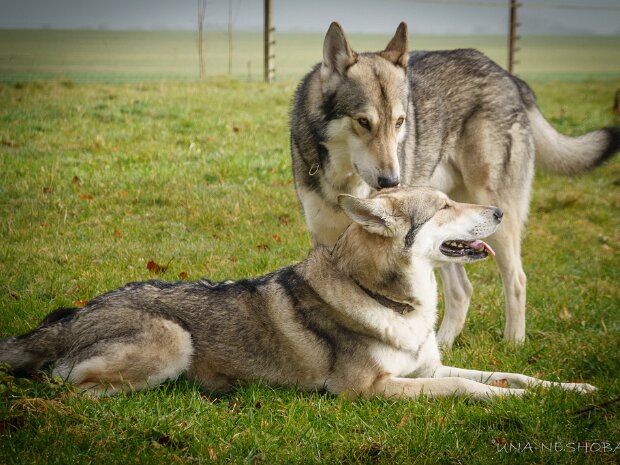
x=512 y=35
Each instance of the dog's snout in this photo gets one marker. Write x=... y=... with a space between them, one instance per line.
x=388 y=181
x=498 y=214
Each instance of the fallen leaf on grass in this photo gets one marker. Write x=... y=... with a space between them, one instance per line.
x=87 y=196
x=154 y=267
x=503 y=383
x=48 y=190
x=80 y=302
x=183 y=275
x=232 y=259
x=276 y=238
x=76 y=180
x=262 y=247
x=211 y=452
x=284 y=220
x=236 y=129
x=117 y=233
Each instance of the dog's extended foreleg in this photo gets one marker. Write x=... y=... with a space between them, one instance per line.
x=404 y=388
x=457 y=292
x=513 y=379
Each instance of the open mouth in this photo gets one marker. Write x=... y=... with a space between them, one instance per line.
x=471 y=249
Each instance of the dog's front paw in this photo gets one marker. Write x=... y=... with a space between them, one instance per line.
x=583 y=388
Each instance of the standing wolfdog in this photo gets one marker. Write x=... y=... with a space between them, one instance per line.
x=357 y=319
x=451 y=119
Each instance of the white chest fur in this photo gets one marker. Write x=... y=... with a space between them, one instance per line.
x=418 y=349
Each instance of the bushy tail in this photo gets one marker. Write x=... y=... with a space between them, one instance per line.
x=557 y=153
x=29 y=352
x=560 y=154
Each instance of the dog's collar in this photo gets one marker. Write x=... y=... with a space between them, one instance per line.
x=399 y=307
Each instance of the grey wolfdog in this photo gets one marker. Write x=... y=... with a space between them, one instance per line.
x=453 y=120
x=357 y=319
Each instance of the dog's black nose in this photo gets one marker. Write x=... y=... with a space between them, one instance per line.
x=498 y=213
x=391 y=181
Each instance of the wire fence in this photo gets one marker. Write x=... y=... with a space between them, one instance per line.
x=511 y=23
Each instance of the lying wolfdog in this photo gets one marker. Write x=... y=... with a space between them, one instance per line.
x=357 y=319
x=453 y=120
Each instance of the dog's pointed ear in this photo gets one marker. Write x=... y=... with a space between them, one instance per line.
x=397 y=50
x=337 y=53
x=371 y=214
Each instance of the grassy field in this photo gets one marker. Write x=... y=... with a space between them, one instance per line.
x=99 y=179
x=121 y=56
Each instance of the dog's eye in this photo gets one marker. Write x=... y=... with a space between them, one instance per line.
x=363 y=122
x=445 y=207
x=399 y=122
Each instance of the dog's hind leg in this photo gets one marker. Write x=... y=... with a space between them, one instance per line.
x=507 y=243
x=162 y=350
x=457 y=291
x=500 y=174
x=513 y=379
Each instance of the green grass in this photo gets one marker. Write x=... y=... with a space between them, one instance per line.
x=98 y=179
x=122 y=56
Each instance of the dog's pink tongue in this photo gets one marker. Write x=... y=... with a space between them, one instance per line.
x=479 y=245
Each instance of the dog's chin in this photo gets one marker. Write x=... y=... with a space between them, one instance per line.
x=463 y=251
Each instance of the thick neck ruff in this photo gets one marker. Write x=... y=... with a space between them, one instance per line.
x=399 y=307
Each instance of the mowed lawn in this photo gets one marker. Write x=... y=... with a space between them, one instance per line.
x=96 y=180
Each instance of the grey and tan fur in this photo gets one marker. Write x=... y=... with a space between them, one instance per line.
x=357 y=320
x=453 y=120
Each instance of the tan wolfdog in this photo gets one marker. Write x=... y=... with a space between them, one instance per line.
x=357 y=319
